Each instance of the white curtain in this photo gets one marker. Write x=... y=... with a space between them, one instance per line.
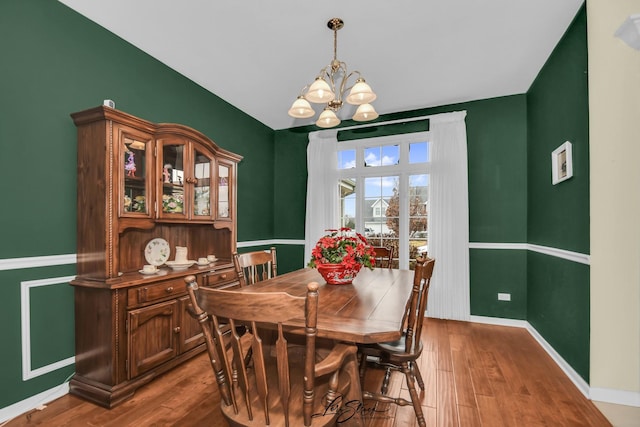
x=448 y=208
x=322 y=187
x=449 y=217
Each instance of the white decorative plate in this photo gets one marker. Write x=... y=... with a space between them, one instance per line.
x=157 y=251
x=180 y=265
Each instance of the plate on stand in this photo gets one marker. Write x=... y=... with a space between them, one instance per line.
x=157 y=251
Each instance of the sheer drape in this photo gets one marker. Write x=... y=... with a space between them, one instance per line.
x=322 y=187
x=449 y=217
x=448 y=208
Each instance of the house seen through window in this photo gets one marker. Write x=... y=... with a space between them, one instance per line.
x=384 y=192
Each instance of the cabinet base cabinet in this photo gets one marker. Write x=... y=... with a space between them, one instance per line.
x=111 y=396
x=127 y=336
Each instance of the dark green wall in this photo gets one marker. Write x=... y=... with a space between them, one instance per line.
x=496 y=141
x=558 y=111
x=55 y=62
x=558 y=290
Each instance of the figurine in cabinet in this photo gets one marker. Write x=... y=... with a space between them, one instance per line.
x=130 y=166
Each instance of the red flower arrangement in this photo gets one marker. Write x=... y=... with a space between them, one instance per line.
x=345 y=247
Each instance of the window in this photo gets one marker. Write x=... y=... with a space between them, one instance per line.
x=384 y=192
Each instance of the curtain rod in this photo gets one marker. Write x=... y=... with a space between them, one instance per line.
x=388 y=122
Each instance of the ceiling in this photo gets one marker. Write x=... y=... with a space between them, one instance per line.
x=258 y=55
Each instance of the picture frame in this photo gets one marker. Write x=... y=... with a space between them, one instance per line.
x=561 y=163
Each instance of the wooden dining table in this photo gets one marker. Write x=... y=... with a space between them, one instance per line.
x=370 y=310
x=367 y=311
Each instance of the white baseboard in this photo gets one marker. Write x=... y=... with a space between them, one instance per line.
x=619 y=397
x=33 y=402
x=575 y=378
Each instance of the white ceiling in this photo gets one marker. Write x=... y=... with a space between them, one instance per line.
x=257 y=55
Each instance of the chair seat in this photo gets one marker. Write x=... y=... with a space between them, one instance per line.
x=392 y=350
x=325 y=416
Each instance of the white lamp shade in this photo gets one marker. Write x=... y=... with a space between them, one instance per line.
x=327 y=119
x=361 y=93
x=301 y=109
x=365 y=112
x=320 y=92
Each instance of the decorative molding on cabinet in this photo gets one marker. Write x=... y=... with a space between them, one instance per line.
x=25 y=330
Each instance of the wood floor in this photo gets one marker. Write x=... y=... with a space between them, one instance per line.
x=475 y=375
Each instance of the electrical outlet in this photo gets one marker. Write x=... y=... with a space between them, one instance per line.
x=504 y=297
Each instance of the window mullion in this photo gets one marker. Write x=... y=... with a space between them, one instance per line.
x=403 y=238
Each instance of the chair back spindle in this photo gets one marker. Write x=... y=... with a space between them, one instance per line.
x=384 y=256
x=252 y=267
x=278 y=388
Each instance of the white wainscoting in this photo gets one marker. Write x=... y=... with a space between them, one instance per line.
x=25 y=331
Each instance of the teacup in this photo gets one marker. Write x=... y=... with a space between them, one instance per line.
x=148 y=268
x=211 y=258
x=203 y=261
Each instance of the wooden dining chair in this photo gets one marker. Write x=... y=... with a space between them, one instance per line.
x=401 y=355
x=279 y=389
x=384 y=255
x=252 y=267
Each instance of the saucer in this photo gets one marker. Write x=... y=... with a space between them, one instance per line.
x=147 y=273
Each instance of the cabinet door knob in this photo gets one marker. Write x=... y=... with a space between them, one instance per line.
x=176 y=329
x=223 y=276
x=169 y=289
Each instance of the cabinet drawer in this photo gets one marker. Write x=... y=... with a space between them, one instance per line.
x=157 y=291
x=219 y=278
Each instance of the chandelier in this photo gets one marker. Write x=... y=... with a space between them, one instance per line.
x=329 y=88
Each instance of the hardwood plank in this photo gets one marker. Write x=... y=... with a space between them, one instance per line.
x=489 y=411
x=447 y=408
x=509 y=378
x=427 y=365
x=469 y=416
x=465 y=393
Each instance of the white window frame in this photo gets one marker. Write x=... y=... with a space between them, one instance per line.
x=403 y=170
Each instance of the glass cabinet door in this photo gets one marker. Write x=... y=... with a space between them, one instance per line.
x=201 y=180
x=224 y=194
x=173 y=178
x=135 y=165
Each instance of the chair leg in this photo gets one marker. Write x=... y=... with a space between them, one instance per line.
x=385 y=381
x=414 y=394
x=417 y=375
x=362 y=363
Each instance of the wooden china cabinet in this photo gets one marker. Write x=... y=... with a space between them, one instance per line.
x=142 y=184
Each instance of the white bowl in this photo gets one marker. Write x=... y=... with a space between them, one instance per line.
x=180 y=265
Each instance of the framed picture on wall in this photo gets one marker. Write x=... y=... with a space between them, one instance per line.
x=561 y=163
